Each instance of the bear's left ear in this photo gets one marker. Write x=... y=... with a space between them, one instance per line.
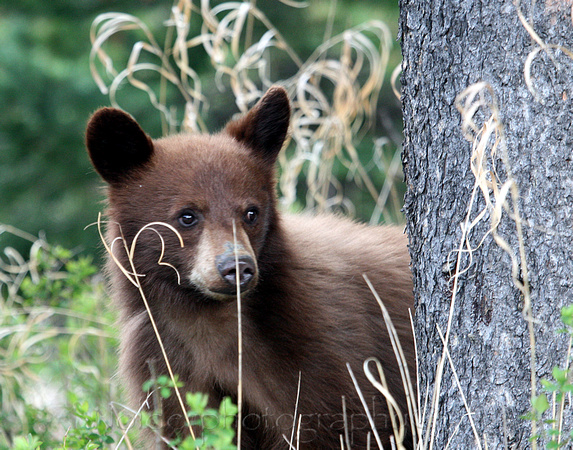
x=264 y=128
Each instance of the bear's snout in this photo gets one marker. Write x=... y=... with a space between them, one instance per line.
x=227 y=267
x=214 y=270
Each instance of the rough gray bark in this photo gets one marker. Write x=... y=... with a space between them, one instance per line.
x=448 y=45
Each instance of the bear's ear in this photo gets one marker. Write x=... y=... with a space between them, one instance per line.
x=116 y=144
x=264 y=128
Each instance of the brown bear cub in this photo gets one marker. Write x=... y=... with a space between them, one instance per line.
x=306 y=308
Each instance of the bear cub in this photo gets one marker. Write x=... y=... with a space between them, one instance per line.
x=307 y=311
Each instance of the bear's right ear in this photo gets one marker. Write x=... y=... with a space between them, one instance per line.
x=116 y=144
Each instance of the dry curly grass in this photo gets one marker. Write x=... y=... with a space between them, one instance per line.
x=334 y=92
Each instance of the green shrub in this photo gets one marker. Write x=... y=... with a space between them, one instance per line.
x=56 y=337
x=552 y=398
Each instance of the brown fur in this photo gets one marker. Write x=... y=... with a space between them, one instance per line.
x=307 y=309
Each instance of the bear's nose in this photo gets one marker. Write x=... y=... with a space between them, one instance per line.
x=227 y=267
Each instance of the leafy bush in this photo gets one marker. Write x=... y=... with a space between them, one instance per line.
x=555 y=396
x=215 y=425
x=56 y=337
x=58 y=348
x=91 y=433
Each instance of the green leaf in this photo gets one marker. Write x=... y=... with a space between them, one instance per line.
x=228 y=408
x=148 y=385
x=165 y=392
x=560 y=375
x=145 y=418
x=549 y=386
x=567 y=315
x=540 y=403
x=83 y=407
x=27 y=443
x=197 y=402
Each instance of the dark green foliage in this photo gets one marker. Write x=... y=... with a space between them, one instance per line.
x=218 y=432
x=92 y=432
x=216 y=425
x=551 y=404
x=47 y=94
x=57 y=340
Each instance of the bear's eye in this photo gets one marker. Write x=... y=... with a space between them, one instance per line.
x=251 y=216
x=188 y=218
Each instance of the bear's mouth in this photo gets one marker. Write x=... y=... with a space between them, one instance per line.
x=224 y=295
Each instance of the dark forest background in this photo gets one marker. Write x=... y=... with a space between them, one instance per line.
x=58 y=341
x=47 y=93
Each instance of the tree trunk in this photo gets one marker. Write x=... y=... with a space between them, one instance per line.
x=448 y=45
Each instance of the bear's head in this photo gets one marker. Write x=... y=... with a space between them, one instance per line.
x=216 y=191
